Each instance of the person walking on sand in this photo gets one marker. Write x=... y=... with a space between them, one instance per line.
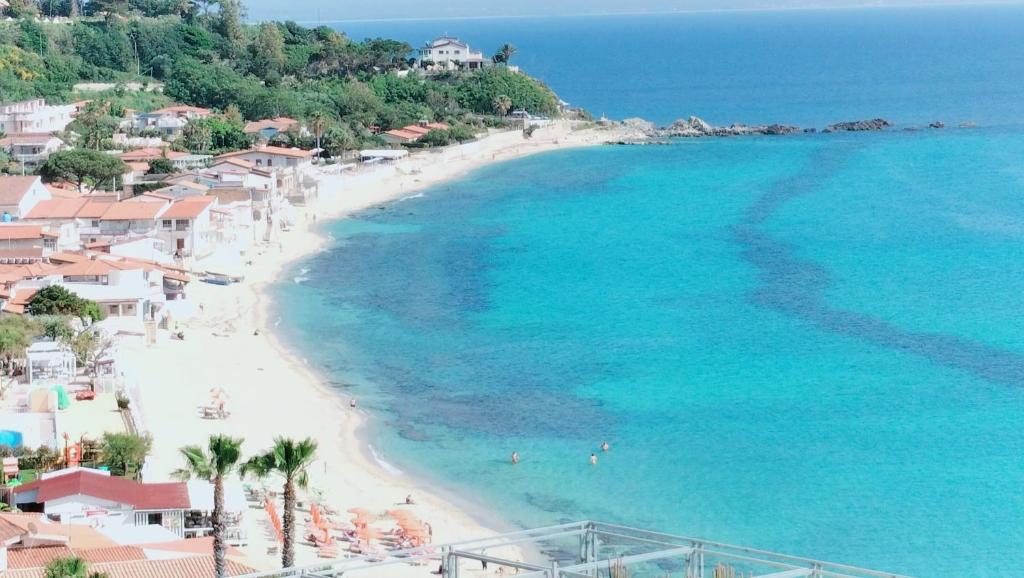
x=352 y=403
x=515 y=458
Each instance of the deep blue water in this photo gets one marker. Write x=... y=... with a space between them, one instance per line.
x=812 y=68
x=811 y=344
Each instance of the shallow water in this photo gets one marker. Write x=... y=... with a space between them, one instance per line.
x=811 y=344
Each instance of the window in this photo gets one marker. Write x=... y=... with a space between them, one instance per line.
x=270 y=162
x=156 y=518
x=167 y=223
x=113 y=311
x=181 y=225
x=129 y=309
x=95 y=223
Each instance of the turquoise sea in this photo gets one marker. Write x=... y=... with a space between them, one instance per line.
x=812 y=344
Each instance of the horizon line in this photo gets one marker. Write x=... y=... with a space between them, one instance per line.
x=685 y=11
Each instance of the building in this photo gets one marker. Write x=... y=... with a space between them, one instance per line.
x=269 y=128
x=181 y=161
x=31 y=149
x=186 y=226
x=290 y=167
x=449 y=53
x=168 y=121
x=20 y=243
x=18 y=195
x=35 y=116
x=411 y=133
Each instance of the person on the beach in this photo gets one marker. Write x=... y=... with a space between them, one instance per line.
x=515 y=458
x=352 y=403
x=593 y=459
x=605 y=447
x=409 y=501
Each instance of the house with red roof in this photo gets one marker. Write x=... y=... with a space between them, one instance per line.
x=289 y=165
x=267 y=129
x=18 y=194
x=22 y=243
x=186 y=226
x=31 y=149
x=98 y=499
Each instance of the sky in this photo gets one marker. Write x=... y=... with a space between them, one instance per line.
x=333 y=10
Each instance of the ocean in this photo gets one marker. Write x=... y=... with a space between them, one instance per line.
x=811 y=344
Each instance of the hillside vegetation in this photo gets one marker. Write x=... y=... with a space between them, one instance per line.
x=205 y=55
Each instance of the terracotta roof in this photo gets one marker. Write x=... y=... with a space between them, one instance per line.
x=270 y=150
x=128 y=211
x=194 y=566
x=27 y=138
x=169 y=496
x=187 y=184
x=237 y=162
x=66 y=191
x=20 y=232
x=93 y=209
x=66 y=257
x=188 y=208
x=20 y=558
x=9 y=530
x=82 y=536
x=13 y=189
x=151 y=153
x=402 y=133
x=420 y=130
x=139 y=166
x=226 y=195
x=280 y=123
x=56 y=209
x=84 y=269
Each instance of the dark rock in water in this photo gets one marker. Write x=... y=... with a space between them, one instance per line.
x=858 y=125
x=937 y=124
x=810 y=130
x=697 y=127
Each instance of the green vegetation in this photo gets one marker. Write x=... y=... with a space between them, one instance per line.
x=82 y=167
x=70 y=568
x=291 y=460
x=205 y=55
x=125 y=453
x=214 y=465
x=56 y=300
x=16 y=333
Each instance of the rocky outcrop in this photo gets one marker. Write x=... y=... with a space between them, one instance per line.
x=937 y=124
x=697 y=127
x=858 y=125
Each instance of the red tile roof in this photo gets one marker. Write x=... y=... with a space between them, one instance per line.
x=169 y=496
x=182 y=109
x=188 y=208
x=13 y=189
x=93 y=209
x=20 y=558
x=56 y=209
x=270 y=150
x=192 y=567
x=20 y=232
x=128 y=211
x=88 y=268
x=150 y=153
x=280 y=123
x=237 y=162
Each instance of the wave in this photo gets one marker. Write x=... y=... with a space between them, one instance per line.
x=416 y=196
x=301 y=278
x=386 y=466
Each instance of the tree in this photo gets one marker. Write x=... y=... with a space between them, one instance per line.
x=504 y=53
x=57 y=300
x=436 y=138
x=161 y=166
x=16 y=333
x=95 y=124
x=502 y=105
x=223 y=455
x=82 y=166
x=231 y=29
x=267 y=51
x=70 y=568
x=317 y=124
x=291 y=459
x=89 y=346
x=125 y=453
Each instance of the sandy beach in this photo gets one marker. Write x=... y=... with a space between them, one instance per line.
x=272 y=390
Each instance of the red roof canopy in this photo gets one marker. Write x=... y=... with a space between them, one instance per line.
x=168 y=496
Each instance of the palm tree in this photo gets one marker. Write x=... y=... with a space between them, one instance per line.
x=70 y=568
x=214 y=465
x=505 y=53
x=502 y=104
x=318 y=123
x=291 y=459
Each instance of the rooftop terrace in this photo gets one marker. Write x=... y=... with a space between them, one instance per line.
x=588 y=550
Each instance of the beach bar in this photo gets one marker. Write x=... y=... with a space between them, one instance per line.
x=590 y=549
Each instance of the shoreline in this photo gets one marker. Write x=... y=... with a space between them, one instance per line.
x=272 y=389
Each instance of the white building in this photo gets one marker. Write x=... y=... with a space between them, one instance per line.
x=31 y=149
x=35 y=116
x=449 y=53
x=18 y=195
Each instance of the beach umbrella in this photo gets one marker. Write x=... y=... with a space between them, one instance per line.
x=401 y=514
x=367 y=533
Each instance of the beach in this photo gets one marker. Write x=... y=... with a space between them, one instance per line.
x=230 y=343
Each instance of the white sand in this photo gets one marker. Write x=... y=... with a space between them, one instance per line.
x=272 y=391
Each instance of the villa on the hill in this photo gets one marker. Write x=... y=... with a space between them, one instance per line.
x=449 y=53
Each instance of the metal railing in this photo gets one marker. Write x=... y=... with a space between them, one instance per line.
x=601 y=547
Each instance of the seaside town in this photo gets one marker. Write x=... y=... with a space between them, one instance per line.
x=139 y=233
x=165 y=166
